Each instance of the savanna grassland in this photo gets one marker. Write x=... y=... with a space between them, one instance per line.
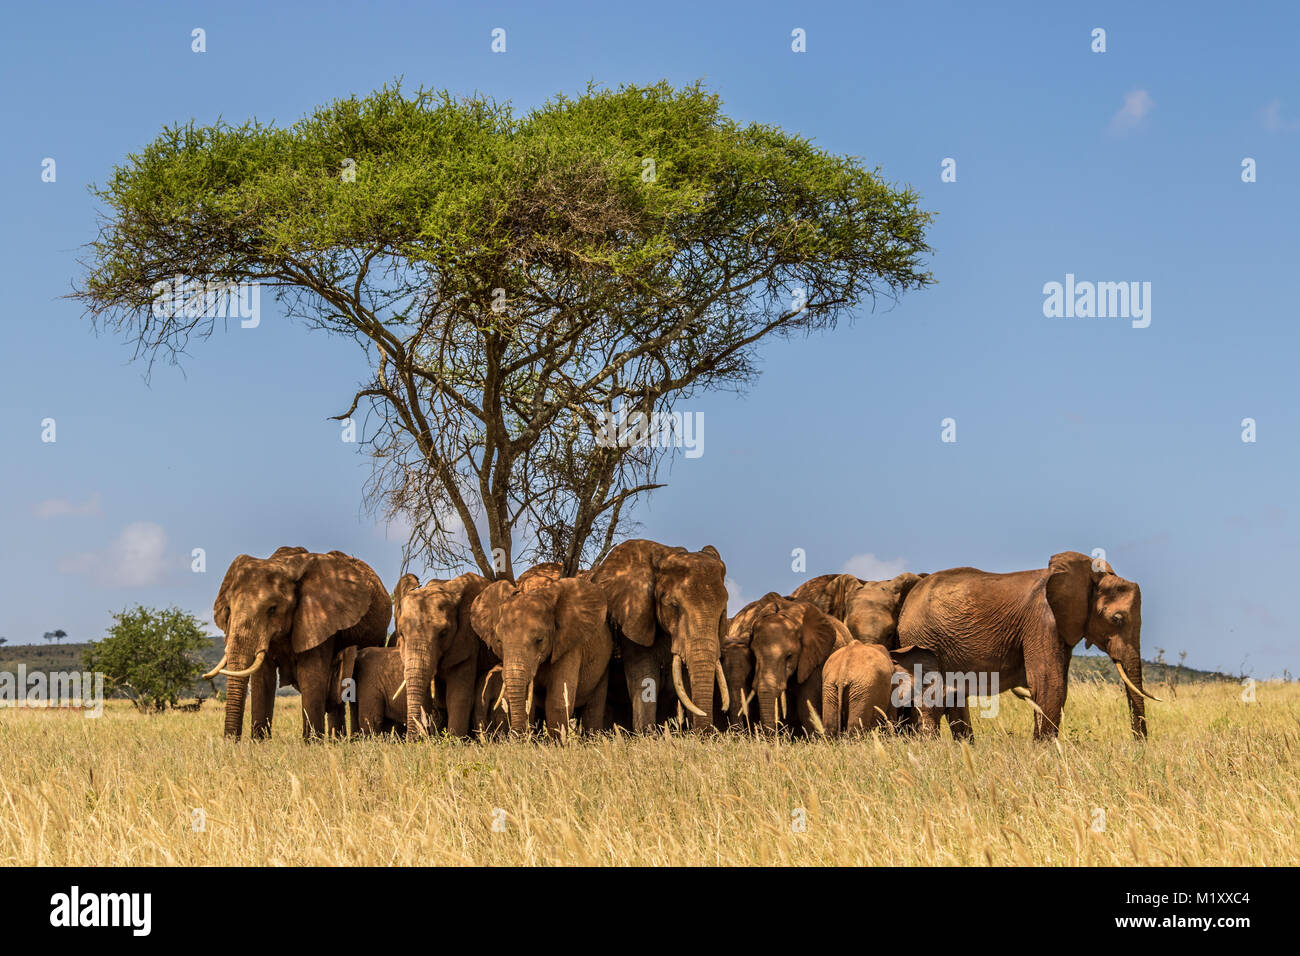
x=1216 y=783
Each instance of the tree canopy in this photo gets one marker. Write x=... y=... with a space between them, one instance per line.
x=151 y=656
x=514 y=281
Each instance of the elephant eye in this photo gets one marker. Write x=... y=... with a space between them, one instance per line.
x=1117 y=617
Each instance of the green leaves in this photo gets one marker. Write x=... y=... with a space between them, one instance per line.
x=510 y=276
x=150 y=655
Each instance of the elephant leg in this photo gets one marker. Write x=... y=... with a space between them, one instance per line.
x=562 y=694
x=593 y=712
x=261 y=688
x=643 y=684
x=959 y=724
x=808 y=703
x=1047 y=665
x=460 y=697
x=313 y=669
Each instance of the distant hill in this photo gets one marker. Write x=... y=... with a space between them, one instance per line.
x=1099 y=667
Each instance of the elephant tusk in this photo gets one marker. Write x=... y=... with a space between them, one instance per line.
x=684 y=697
x=501 y=698
x=216 y=670
x=746 y=698
x=722 y=686
x=1134 y=688
x=528 y=704
x=1024 y=694
x=249 y=671
x=400 y=687
x=781 y=701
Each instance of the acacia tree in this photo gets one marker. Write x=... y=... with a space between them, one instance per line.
x=514 y=281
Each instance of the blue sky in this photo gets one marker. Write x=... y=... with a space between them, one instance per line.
x=1071 y=433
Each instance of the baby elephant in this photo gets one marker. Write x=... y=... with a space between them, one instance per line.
x=861 y=687
x=375 y=695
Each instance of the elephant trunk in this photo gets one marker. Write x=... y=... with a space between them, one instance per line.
x=235 y=690
x=518 y=686
x=419 y=700
x=769 y=714
x=1130 y=668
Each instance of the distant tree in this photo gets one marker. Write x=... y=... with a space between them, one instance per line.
x=152 y=656
x=4 y=640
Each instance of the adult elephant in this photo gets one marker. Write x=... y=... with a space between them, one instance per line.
x=288 y=615
x=869 y=609
x=777 y=646
x=554 y=644
x=1023 y=627
x=437 y=642
x=667 y=611
x=376 y=697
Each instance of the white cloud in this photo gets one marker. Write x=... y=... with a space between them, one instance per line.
x=1137 y=104
x=64 y=507
x=136 y=558
x=735 y=597
x=1273 y=120
x=868 y=567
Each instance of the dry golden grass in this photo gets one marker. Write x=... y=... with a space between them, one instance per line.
x=1215 y=784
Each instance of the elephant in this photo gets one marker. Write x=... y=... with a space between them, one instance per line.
x=1023 y=627
x=438 y=644
x=667 y=608
x=554 y=644
x=863 y=686
x=289 y=614
x=870 y=609
x=778 y=646
x=378 y=698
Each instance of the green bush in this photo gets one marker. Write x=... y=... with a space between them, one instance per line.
x=151 y=656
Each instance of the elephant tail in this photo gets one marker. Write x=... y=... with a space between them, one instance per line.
x=832 y=705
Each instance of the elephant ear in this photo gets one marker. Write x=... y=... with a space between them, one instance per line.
x=627 y=578
x=1069 y=585
x=486 y=610
x=579 y=614
x=345 y=666
x=839 y=595
x=901 y=585
x=817 y=637
x=903 y=691
x=405 y=583
x=221 y=606
x=333 y=595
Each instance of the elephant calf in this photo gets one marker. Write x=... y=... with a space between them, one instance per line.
x=376 y=697
x=862 y=687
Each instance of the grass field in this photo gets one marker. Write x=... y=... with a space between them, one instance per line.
x=1215 y=784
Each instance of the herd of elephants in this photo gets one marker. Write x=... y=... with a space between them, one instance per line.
x=644 y=637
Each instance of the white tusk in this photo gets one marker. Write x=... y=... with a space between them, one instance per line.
x=722 y=686
x=684 y=697
x=216 y=670
x=1024 y=694
x=781 y=701
x=1132 y=687
x=250 y=671
x=400 y=687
